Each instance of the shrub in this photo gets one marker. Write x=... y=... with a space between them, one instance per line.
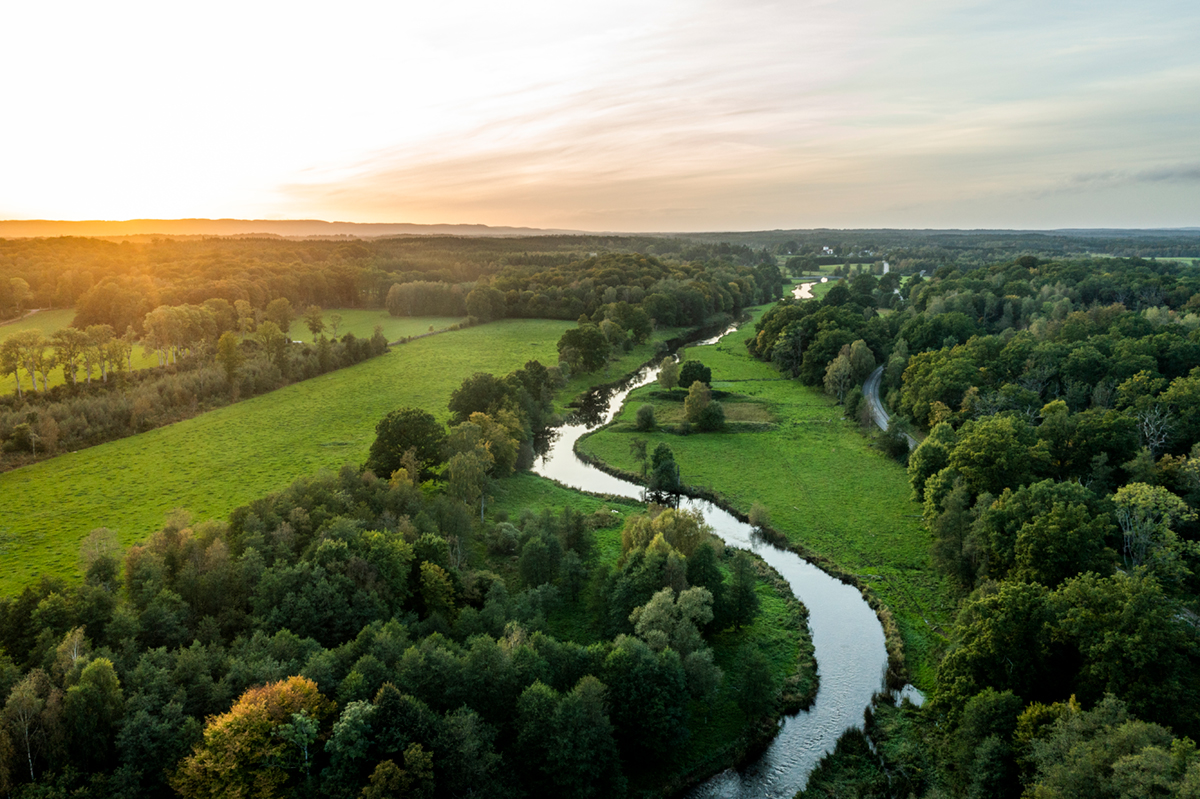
x=711 y=418
x=691 y=371
x=645 y=418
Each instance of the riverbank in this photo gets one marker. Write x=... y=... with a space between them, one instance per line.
x=844 y=505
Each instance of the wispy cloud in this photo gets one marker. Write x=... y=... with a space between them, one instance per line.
x=626 y=115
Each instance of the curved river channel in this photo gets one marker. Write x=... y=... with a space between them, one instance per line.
x=849 y=643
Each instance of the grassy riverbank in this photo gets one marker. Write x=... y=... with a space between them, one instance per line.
x=826 y=489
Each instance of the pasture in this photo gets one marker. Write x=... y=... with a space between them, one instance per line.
x=214 y=462
x=362 y=321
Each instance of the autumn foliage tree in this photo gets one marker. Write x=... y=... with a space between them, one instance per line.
x=260 y=746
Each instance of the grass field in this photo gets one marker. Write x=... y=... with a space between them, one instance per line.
x=774 y=632
x=220 y=460
x=361 y=322
x=825 y=488
x=45 y=321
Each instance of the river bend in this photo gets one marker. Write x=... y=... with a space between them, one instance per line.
x=848 y=639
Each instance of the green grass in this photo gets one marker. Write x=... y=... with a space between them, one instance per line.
x=362 y=321
x=45 y=321
x=217 y=461
x=825 y=488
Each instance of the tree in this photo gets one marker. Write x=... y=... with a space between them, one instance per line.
x=788 y=351
x=280 y=312
x=93 y=709
x=468 y=473
x=480 y=393
x=1155 y=426
x=10 y=362
x=743 y=598
x=313 y=320
x=668 y=373
x=229 y=354
x=584 y=348
x=404 y=430
x=839 y=377
x=274 y=342
x=712 y=418
x=335 y=321
x=758 y=690
x=691 y=371
x=242 y=752
x=675 y=622
x=70 y=345
x=414 y=781
x=698 y=398
x=1146 y=514
x=645 y=421
x=664 y=474
x=862 y=361
x=23 y=712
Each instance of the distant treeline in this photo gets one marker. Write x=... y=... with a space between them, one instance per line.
x=118 y=284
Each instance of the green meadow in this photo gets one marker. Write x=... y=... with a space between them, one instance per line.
x=824 y=486
x=219 y=460
x=222 y=459
x=45 y=321
x=362 y=321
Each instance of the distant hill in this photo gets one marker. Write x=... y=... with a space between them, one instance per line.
x=289 y=228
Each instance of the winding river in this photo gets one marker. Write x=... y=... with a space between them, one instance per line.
x=849 y=642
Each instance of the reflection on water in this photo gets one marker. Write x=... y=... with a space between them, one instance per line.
x=849 y=643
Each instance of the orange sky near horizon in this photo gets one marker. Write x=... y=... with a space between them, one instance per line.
x=607 y=116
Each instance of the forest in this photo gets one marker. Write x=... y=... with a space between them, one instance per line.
x=1058 y=473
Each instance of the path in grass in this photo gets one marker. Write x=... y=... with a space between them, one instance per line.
x=219 y=460
x=822 y=483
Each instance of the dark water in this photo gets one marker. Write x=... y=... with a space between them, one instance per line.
x=851 y=658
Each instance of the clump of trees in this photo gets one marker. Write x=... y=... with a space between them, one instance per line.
x=111 y=401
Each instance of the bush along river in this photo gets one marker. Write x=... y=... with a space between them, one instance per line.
x=847 y=636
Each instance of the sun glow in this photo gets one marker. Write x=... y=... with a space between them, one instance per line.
x=609 y=115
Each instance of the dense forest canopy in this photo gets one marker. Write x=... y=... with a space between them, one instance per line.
x=1057 y=403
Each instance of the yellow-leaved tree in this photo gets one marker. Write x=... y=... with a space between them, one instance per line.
x=261 y=747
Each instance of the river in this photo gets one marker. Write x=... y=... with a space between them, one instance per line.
x=848 y=639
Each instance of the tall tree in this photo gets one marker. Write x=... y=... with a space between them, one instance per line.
x=313 y=320
x=242 y=752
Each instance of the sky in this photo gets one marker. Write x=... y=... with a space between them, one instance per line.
x=610 y=115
